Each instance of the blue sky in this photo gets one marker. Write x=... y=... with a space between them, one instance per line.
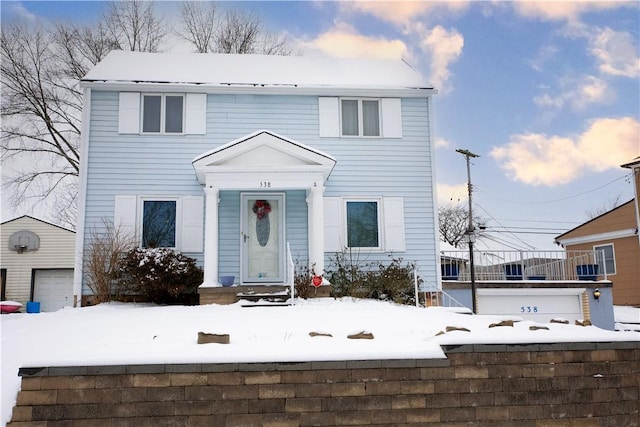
x=547 y=93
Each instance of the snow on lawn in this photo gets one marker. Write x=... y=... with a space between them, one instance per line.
x=110 y=334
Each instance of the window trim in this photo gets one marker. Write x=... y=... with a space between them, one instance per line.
x=163 y=110
x=345 y=223
x=360 y=117
x=599 y=248
x=178 y=224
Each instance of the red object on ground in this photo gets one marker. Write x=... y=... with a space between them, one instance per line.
x=317 y=281
x=9 y=306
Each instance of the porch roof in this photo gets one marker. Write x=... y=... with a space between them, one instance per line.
x=263 y=151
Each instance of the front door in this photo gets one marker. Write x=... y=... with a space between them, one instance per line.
x=262 y=237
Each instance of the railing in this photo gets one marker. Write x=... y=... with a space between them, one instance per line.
x=291 y=273
x=524 y=265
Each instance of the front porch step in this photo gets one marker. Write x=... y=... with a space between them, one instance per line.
x=267 y=294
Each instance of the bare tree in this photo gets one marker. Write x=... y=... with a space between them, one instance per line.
x=133 y=25
x=605 y=207
x=453 y=223
x=102 y=262
x=41 y=114
x=198 y=24
x=242 y=33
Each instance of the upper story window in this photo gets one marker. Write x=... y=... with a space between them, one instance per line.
x=162 y=113
x=360 y=117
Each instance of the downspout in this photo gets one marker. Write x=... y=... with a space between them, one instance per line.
x=82 y=188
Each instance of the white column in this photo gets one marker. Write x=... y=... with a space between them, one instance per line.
x=211 y=237
x=316 y=227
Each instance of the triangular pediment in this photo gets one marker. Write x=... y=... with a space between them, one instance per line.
x=262 y=150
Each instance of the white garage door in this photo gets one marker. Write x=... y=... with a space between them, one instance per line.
x=53 y=289
x=539 y=305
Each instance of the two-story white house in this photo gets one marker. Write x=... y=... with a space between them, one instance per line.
x=231 y=159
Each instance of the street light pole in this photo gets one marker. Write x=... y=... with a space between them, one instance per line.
x=470 y=228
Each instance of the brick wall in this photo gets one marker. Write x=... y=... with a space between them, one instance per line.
x=580 y=384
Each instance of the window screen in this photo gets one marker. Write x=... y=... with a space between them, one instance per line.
x=173 y=114
x=609 y=261
x=370 y=118
x=152 y=105
x=350 y=117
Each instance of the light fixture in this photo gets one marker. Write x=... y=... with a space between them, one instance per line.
x=596 y=294
x=20 y=248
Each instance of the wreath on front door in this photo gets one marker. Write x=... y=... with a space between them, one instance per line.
x=263 y=227
x=261 y=208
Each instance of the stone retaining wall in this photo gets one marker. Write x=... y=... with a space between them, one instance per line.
x=579 y=384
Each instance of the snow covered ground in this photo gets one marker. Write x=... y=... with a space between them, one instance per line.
x=110 y=334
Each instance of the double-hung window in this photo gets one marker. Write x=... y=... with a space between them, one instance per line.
x=360 y=117
x=363 y=224
x=609 y=261
x=162 y=113
x=159 y=223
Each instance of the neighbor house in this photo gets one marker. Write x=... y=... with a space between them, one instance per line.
x=37 y=260
x=614 y=235
x=246 y=161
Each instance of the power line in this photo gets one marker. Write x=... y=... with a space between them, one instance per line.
x=626 y=176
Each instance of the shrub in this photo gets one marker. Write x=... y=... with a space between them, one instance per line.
x=388 y=282
x=161 y=275
x=102 y=261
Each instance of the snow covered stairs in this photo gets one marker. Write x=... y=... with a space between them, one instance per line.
x=265 y=296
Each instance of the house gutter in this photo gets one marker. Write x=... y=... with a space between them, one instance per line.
x=259 y=89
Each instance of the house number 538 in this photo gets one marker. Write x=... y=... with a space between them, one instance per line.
x=265 y=184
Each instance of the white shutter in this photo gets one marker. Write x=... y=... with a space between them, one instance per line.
x=332 y=224
x=124 y=218
x=329 y=117
x=391 y=118
x=129 y=112
x=192 y=224
x=394 y=239
x=196 y=113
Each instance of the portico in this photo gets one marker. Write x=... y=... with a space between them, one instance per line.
x=262 y=166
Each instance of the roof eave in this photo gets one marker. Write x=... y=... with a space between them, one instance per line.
x=258 y=88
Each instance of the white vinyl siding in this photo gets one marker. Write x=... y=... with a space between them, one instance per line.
x=360 y=117
x=189 y=219
x=129 y=112
x=390 y=218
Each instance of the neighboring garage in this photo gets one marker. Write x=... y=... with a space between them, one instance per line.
x=539 y=305
x=53 y=289
x=37 y=260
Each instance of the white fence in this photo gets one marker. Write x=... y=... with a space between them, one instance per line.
x=524 y=265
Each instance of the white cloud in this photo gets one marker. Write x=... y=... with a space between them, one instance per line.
x=578 y=93
x=443 y=143
x=452 y=194
x=344 y=41
x=617 y=53
x=545 y=54
x=15 y=11
x=402 y=13
x=554 y=160
x=562 y=10
x=444 y=48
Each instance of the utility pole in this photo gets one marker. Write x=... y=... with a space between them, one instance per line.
x=470 y=229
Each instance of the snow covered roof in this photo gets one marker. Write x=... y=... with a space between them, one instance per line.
x=254 y=70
